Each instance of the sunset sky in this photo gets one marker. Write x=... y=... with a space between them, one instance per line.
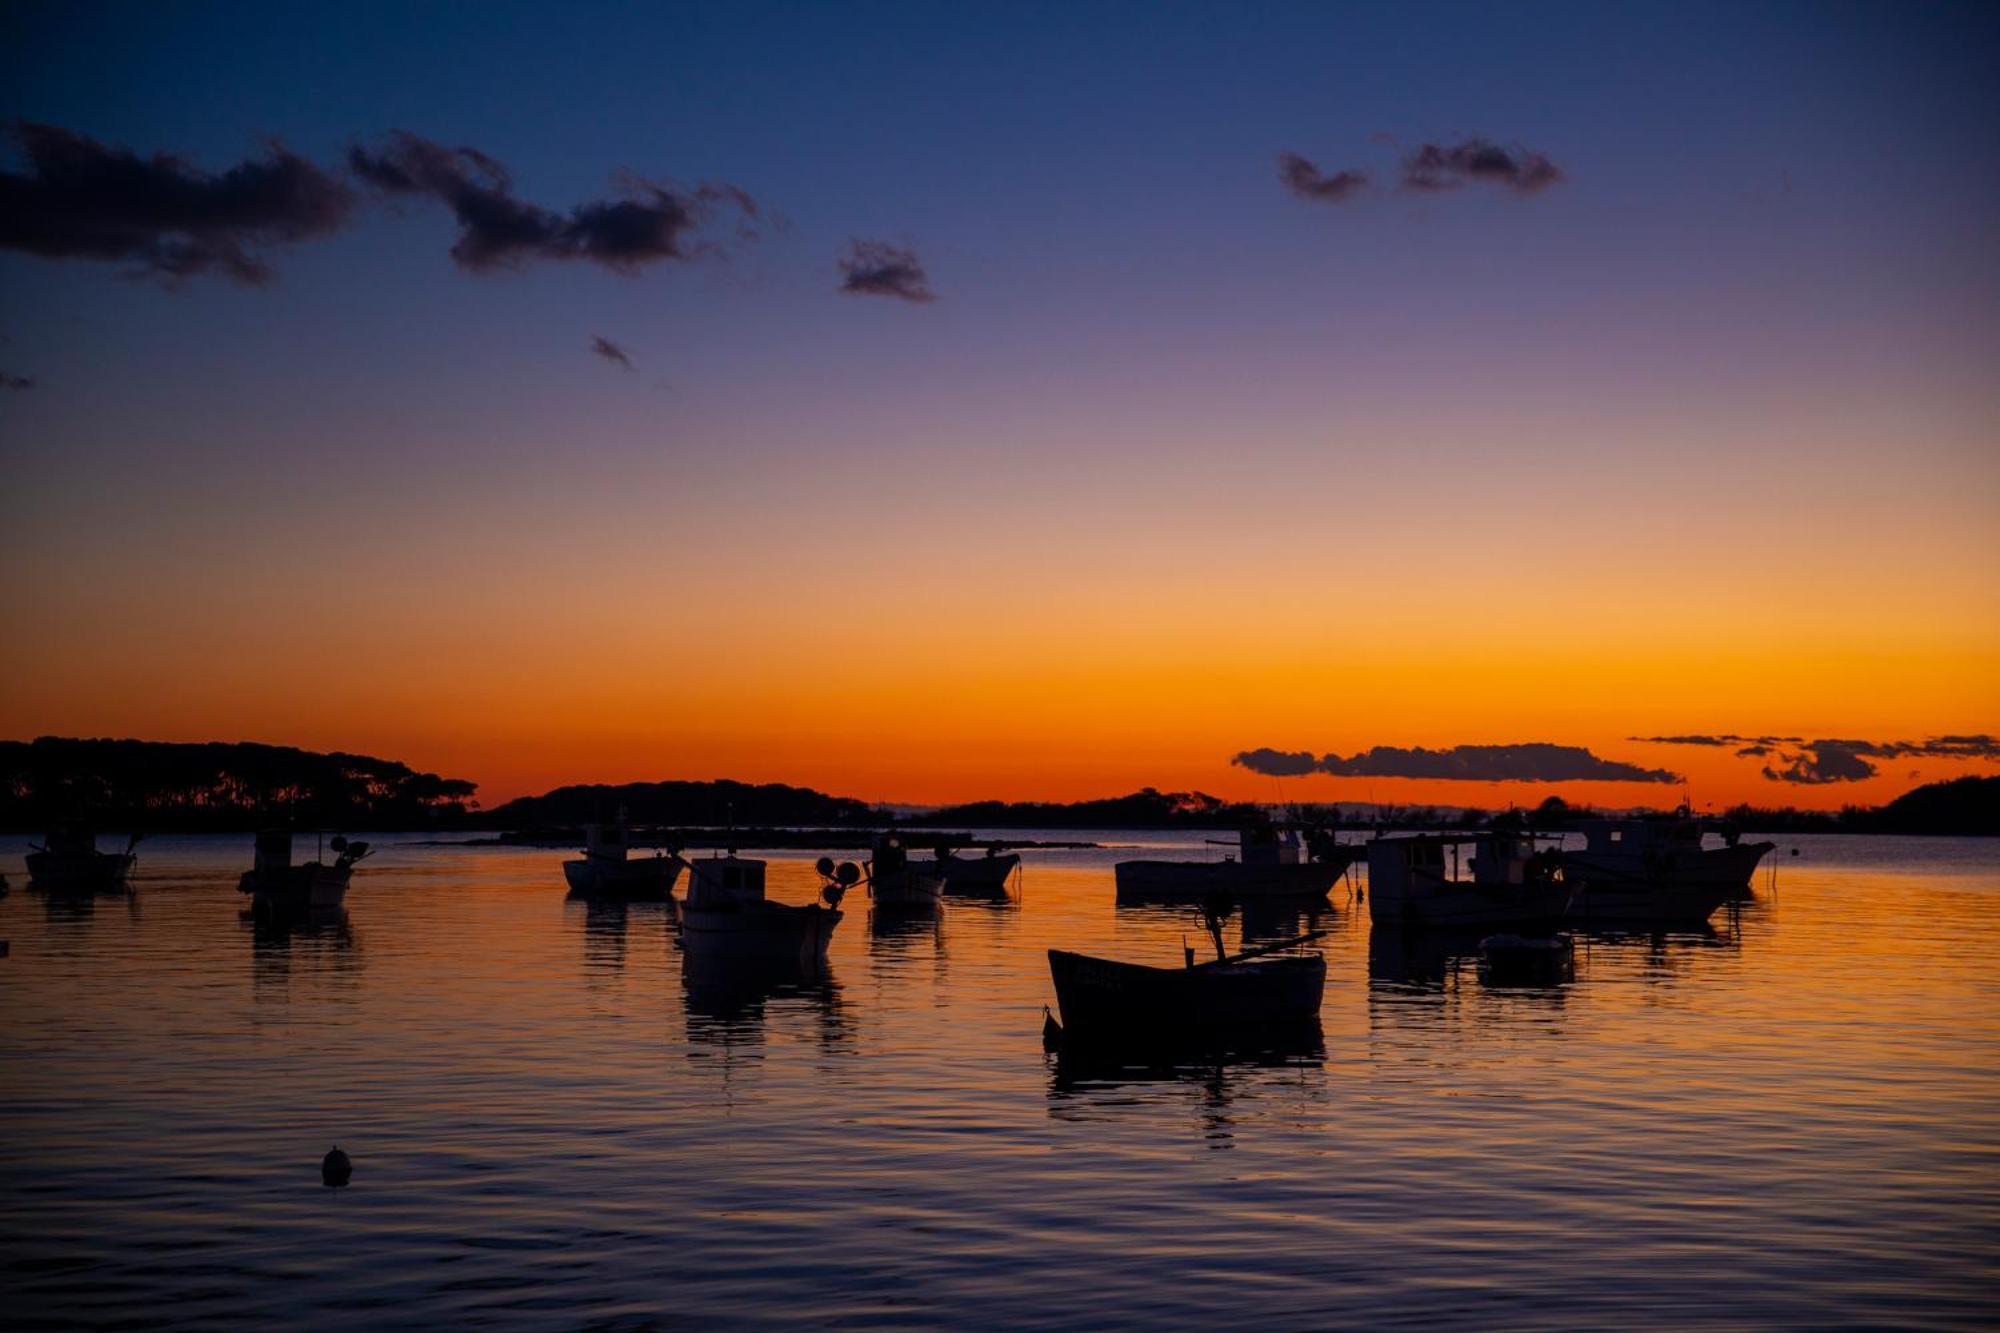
x=1647 y=386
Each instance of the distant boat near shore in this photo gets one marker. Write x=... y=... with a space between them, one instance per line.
x=68 y=861
x=896 y=881
x=1658 y=869
x=1270 y=863
x=973 y=874
x=605 y=869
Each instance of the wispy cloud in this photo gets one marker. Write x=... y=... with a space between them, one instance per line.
x=1530 y=761
x=1433 y=166
x=651 y=223
x=16 y=382
x=611 y=352
x=1825 y=761
x=1304 y=179
x=168 y=219
x=877 y=268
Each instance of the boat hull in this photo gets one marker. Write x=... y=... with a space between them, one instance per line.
x=1096 y=995
x=307 y=886
x=650 y=879
x=762 y=930
x=976 y=874
x=93 y=872
x=1191 y=881
x=906 y=888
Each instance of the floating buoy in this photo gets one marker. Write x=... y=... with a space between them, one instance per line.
x=335 y=1170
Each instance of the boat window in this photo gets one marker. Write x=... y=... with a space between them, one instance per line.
x=1618 y=835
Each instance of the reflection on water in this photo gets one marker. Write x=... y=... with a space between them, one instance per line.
x=557 y=1118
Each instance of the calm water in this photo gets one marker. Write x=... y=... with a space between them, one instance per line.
x=1792 y=1120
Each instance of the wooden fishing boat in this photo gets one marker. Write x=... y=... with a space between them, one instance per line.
x=727 y=915
x=68 y=861
x=1421 y=881
x=1659 y=869
x=273 y=881
x=1255 y=988
x=605 y=870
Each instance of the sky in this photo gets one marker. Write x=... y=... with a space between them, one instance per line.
x=991 y=411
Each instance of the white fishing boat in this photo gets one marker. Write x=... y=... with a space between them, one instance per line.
x=1426 y=879
x=273 y=880
x=606 y=870
x=1270 y=863
x=894 y=881
x=726 y=914
x=1660 y=869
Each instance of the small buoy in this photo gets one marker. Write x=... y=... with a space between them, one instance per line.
x=1795 y=851
x=335 y=1170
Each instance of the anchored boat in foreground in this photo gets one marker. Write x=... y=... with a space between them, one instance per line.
x=726 y=914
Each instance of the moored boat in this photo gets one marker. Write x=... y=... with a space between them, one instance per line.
x=68 y=861
x=1254 y=989
x=973 y=874
x=1270 y=863
x=605 y=869
x=274 y=881
x=895 y=881
x=1422 y=880
x=1660 y=869
x=726 y=914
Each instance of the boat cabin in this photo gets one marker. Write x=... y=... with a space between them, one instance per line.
x=274 y=853
x=1425 y=865
x=607 y=842
x=1262 y=845
x=1639 y=838
x=725 y=881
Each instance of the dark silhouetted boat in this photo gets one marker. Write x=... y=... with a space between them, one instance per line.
x=1527 y=960
x=273 y=881
x=973 y=874
x=605 y=870
x=727 y=915
x=1423 y=880
x=894 y=881
x=68 y=861
x=1271 y=863
x=1244 y=992
x=1660 y=869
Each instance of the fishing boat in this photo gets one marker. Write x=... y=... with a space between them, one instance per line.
x=68 y=861
x=1270 y=863
x=727 y=915
x=1660 y=869
x=894 y=881
x=1423 y=880
x=1527 y=960
x=973 y=874
x=1265 y=987
x=605 y=869
x=273 y=881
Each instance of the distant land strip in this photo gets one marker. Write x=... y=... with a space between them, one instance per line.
x=237 y=786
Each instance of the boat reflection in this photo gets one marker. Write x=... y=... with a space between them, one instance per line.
x=607 y=924
x=1089 y=1081
x=894 y=926
x=731 y=1000
x=283 y=939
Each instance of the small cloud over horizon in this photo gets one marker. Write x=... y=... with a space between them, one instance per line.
x=611 y=352
x=1304 y=179
x=1528 y=761
x=877 y=268
x=1818 y=763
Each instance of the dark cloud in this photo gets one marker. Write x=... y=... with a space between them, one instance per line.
x=1723 y=738
x=1307 y=181
x=611 y=352
x=651 y=223
x=1475 y=160
x=16 y=382
x=80 y=199
x=1533 y=761
x=876 y=268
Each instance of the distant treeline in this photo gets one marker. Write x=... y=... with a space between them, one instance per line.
x=1961 y=806
x=217 y=786
x=683 y=804
x=1146 y=808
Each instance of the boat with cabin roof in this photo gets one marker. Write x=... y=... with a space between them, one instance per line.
x=1425 y=879
x=895 y=881
x=273 y=881
x=726 y=914
x=1660 y=868
x=68 y=861
x=1271 y=862
x=606 y=870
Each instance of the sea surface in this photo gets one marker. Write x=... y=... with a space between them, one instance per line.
x=1790 y=1119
